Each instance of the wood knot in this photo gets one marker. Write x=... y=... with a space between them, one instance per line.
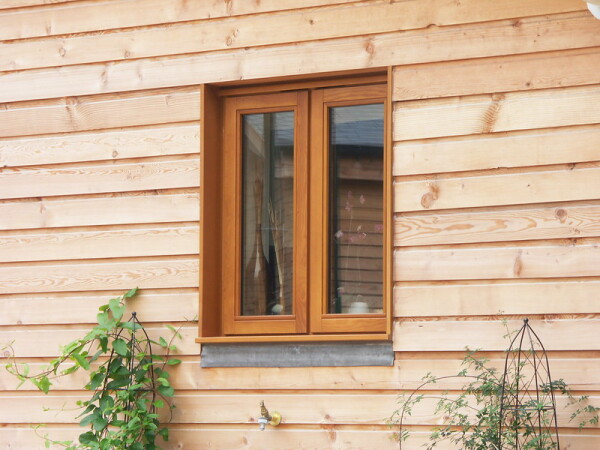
x=370 y=47
x=62 y=51
x=430 y=197
x=518 y=266
x=115 y=153
x=561 y=215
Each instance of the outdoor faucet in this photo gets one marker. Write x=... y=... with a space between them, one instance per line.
x=265 y=418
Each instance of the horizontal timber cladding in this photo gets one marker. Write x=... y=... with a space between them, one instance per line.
x=144 y=207
x=325 y=436
x=559 y=184
x=284 y=27
x=582 y=372
x=536 y=147
x=366 y=408
x=88 y=16
x=98 y=112
x=152 y=305
x=573 y=30
x=492 y=113
x=98 y=275
x=169 y=139
x=456 y=335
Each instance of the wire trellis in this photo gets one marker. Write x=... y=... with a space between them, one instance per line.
x=528 y=408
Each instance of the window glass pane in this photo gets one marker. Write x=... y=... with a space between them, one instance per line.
x=356 y=209
x=267 y=213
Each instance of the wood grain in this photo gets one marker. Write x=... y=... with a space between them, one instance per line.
x=32 y=342
x=84 y=211
x=7 y=4
x=559 y=185
x=166 y=240
x=92 y=113
x=491 y=151
x=498 y=74
x=290 y=26
x=497 y=112
x=85 y=16
x=98 y=275
x=490 y=297
x=548 y=260
x=573 y=30
x=108 y=145
x=25 y=182
x=516 y=224
x=450 y=335
x=323 y=408
x=164 y=305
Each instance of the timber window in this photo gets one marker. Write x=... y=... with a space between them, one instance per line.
x=295 y=241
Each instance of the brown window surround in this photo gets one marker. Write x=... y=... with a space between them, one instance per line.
x=309 y=309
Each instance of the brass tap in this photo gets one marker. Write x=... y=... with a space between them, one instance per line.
x=265 y=418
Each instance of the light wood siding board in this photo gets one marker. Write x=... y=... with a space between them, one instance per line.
x=85 y=16
x=497 y=74
x=490 y=297
x=8 y=4
x=91 y=113
x=284 y=27
x=494 y=190
x=497 y=112
x=107 y=145
x=565 y=220
x=34 y=342
x=82 y=307
x=581 y=372
x=249 y=437
x=446 y=335
x=497 y=150
x=118 y=177
x=172 y=239
x=98 y=275
x=82 y=211
x=574 y=30
x=549 y=260
x=232 y=408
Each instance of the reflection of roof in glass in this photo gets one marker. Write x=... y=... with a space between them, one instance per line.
x=360 y=125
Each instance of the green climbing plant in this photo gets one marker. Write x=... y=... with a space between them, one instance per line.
x=129 y=385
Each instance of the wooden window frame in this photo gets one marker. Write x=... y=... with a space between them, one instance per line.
x=220 y=210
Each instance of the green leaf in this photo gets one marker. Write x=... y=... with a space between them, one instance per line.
x=167 y=391
x=116 y=308
x=89 y=419
x=118 y=383
x=42 y=383
x=81 y=360
x=95 y=381
x=106 y=403
x=164 y=433
x=163 y=381
x=173 y=362
x=99 y=423
x=71 y=369
x=120 y=347
x=159 y=403
x=163 y=342
x=87 y=438
x=105 y=321
x=130 y=293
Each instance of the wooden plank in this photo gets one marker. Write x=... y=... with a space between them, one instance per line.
x=165 y=240
x=558 y=185
x=450 y=335
x=351 y=409
x=51 y=213
x=249 y=437
x=482 y=114
x=574 y=30
x=35 y=342
x=516 y=224
x=81 y=307
x=248 y=31
x=488 y=298
x=95 y=16
x=108 y=145
x=7 y=4
x=579 y=373
x=92 y=113
x=498 y=74
x=549 y=260
x=25 y=182
x=98 y=275
x=491 y=151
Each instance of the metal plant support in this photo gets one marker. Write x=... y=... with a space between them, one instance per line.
x=528 y=407
x=140 y=354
